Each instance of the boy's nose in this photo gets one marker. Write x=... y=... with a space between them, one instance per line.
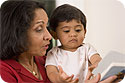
x=73 y=34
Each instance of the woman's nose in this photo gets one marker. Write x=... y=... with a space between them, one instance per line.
x=47 y=35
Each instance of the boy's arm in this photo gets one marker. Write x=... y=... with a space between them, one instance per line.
x=60 y=76
x=52 y=73
x=94 y=60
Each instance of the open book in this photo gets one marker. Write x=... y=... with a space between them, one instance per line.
x=112 y=64
x=114 y=69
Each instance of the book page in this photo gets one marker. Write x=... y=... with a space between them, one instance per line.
x=113 y=69
x=113 y=60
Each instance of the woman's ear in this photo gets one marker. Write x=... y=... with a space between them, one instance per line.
x=53 y=33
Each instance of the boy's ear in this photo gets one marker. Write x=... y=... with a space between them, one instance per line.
x=85 y=31
x=54 y=35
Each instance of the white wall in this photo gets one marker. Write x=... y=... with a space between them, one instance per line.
x=1 y=1
x=105 y=23
x=77 y=3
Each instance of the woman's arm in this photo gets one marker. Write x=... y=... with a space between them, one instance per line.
x=7 y=75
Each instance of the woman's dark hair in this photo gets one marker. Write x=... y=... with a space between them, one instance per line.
x=67 y=13
x=16 y=18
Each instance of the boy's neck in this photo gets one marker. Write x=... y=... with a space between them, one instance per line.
x=68 y=49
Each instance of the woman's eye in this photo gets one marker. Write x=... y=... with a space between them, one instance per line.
x=78 y=30
x=66 y=31
x=39 y=29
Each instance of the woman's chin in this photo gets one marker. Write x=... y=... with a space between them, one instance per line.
x=43 y=53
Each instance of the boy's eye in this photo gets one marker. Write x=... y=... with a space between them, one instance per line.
x=66 y=31
x=78 y=30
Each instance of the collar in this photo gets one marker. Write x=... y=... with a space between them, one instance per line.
x=20 y=69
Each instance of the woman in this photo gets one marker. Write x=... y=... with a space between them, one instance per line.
x=24 y=42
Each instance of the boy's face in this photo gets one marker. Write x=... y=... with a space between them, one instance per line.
x=71 y=34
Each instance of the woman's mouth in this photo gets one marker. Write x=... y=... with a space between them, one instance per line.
x=46 y=47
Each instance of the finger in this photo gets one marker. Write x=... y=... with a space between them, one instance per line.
x=62 y=74
x=89 y=74
x=69 y=79
x=91 y=67
x=109 y=80
x=60 y=69
x=75 y=80
x=94 y=79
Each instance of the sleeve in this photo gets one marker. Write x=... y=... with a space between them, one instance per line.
x=91 y=50
x=51 y=58
x=7 y=75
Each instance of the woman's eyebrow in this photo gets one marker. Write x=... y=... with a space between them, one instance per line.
x=39 y=21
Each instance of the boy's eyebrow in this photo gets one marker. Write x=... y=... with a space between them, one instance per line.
x=78 y=25
x=64 y=27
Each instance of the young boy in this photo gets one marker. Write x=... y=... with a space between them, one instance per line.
x=70 y=61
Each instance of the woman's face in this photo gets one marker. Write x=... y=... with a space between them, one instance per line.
x=38 y=35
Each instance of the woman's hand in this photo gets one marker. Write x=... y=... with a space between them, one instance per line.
x=96 y=79
x=109 y=79
x=64 y=78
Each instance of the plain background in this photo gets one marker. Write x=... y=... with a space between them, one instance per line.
x=105 y=23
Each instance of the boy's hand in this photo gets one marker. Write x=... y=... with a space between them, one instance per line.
x=64 y=78
x=93 y=79
x=93 y=66
x=90 y=69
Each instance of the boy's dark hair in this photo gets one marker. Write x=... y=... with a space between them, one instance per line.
x=67 y=13
x=16 y=18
